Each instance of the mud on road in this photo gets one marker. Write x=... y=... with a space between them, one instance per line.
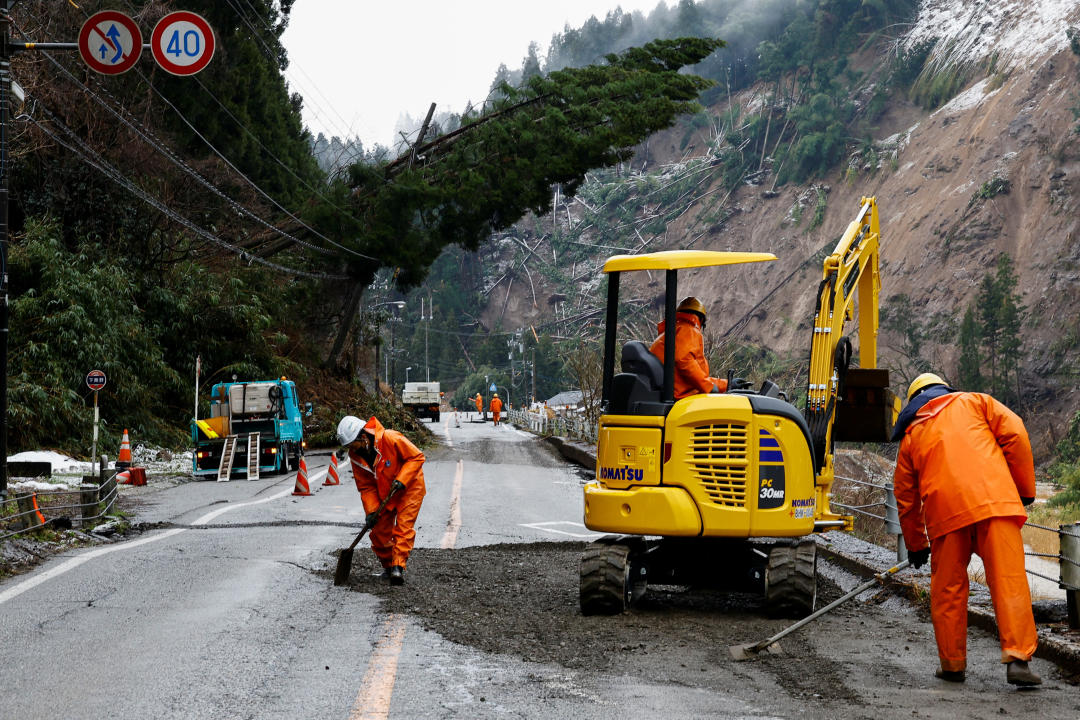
x=866 y=659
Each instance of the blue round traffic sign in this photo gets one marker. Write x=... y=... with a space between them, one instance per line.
x=95 y=380
x=182 y=43
x=110 y=42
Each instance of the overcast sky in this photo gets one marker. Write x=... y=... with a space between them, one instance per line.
x=361 y=64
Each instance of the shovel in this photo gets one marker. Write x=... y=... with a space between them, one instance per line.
x=344 y=562
x=746 y=652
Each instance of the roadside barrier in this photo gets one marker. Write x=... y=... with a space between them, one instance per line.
x=301 y=480
x=25 y=513
x=332 y=471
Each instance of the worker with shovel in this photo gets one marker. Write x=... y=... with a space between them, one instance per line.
x=384 y=464
x=963 y=475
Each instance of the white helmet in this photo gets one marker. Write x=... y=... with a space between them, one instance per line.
x=349 y=429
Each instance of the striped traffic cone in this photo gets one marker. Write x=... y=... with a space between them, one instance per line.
x=301 y=480
x=331 y=472
x=123 y=478
x=123 y=460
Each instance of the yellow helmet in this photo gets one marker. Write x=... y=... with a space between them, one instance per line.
x=691 y=304
x=921 y=383
x=495 y=395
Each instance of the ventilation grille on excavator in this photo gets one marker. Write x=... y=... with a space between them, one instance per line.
x=718 y=461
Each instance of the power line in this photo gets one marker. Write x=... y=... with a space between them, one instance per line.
x=94 y=159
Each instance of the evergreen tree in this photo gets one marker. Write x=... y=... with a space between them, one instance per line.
x=969 y=372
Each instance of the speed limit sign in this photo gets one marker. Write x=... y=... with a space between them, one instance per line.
x=182 y=43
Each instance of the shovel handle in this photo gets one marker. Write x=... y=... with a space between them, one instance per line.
x=814 y=616
x=378 y=512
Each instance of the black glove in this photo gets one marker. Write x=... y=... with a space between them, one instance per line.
x=918 y=558
x=396 y=486
x=1027 y=501
x=740 y=384
x=369 y=520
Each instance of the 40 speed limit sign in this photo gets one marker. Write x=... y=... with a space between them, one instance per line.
x=182 y=43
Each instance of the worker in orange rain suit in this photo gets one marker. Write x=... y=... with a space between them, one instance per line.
x=480 y=406
x=964 y=472
x=691 y=367
x=496 y=408
x=381 y=459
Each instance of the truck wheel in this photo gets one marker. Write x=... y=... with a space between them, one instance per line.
x=610 y=582
x=791 y=579
x=286 y=464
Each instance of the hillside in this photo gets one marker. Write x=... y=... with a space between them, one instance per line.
x=937 y=175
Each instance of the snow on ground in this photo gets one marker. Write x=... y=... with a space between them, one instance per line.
x=68 y=471
x=1018 y=30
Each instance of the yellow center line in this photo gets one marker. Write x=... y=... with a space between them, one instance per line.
x=373 y=702
x=454 y=523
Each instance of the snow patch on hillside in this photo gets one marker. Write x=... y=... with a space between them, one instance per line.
x=1018 y=30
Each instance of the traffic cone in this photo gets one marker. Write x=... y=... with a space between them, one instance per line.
x=123 y=478
x=331 y=472
x=33 y=501
x=301 y=480
x=123 y=460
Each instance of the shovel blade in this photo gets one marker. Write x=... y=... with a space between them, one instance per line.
x=344 y=566
x=750 y=651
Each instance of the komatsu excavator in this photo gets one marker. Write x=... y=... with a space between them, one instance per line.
x=725 y=490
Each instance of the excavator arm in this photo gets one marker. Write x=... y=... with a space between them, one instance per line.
x=845 y=403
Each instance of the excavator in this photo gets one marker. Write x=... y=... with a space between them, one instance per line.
x=725 y=490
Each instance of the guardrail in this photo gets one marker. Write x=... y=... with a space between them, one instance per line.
x=542 y=423
x=30 y=511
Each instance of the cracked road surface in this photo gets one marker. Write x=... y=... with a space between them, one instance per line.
x=225 y=608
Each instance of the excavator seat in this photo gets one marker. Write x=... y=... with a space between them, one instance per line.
x=640 y=382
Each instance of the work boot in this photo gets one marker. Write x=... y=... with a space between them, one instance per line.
x=397 y=575
x=1017 y=672
x=956 y=676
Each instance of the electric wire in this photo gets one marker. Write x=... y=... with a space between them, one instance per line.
x=92 y=158
x=231 y=165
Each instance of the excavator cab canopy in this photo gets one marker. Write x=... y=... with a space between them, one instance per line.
x=636 y=359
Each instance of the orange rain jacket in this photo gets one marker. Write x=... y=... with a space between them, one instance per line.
x=396 y=458
x=496 y=405
x=479 y=403
x=691 y=367
x=964 y=458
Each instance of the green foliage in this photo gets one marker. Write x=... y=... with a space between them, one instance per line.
x=1066 y=468
x=990 y=188
x=969 y=372
x=819 y=209
x=909 y=63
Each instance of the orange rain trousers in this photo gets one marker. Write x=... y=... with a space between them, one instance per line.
x=393 y=535
x=496 y=409
x=997 y=541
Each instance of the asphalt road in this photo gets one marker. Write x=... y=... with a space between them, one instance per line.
x=225 y=608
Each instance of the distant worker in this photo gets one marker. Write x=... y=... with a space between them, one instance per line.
x=496 y=408
x=385 y=461
x=964 y=473
x=691 y=367
x=480 y=406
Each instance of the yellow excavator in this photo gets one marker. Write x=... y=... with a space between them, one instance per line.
x=724 y=490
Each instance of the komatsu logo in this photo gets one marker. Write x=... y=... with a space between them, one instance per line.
x=622 y=473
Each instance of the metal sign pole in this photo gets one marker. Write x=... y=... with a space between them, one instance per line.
x=5 y=89
x=93 y=448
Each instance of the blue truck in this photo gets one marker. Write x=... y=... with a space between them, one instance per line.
x=253 y=427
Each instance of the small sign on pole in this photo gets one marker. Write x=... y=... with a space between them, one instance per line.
x=95 y=380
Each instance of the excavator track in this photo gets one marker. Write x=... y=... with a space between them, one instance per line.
x=609 y=583
x=791 y=579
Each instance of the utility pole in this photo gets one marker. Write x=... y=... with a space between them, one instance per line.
x=5 y=89
x=426 y=319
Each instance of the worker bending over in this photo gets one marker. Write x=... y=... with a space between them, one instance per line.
x=385 y=461
x=691 y=367
x=496 y=408
x=964 y=473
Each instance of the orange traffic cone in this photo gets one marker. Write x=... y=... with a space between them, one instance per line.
x=123 y=460
x=331 y=472
x=37 y=510
x=123 y=478
x=301 y=480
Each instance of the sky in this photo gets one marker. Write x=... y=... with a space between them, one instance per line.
x=359 y=65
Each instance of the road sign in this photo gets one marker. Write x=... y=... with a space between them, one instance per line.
x=95 y=380
x=182 y=43
x=110 y=42
x=492 y=388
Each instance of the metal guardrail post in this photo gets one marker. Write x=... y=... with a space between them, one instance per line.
x=88 y=503
x=1069 y=538
x=892 y=523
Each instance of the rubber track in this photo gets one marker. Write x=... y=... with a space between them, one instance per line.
x=603 y=579
x=791 y=580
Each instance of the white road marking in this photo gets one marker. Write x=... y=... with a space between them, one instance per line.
x=75 y=562
x=547 y=527
x=453 y=525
